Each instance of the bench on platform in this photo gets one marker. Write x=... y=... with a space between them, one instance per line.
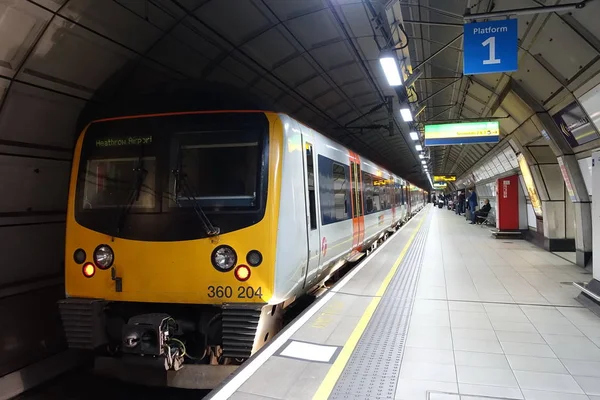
x=489 y=219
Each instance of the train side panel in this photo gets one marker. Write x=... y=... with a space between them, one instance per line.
x=334 y=208
x=375 y=222
x=291 y=243
x=295 y=269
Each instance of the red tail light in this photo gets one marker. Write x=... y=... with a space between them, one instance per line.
x=242 y=273
x=89 y=269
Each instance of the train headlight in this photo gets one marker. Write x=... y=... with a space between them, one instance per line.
x=223 y=258
x=104 y=256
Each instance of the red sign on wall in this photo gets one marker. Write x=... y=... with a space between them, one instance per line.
x=508 y=203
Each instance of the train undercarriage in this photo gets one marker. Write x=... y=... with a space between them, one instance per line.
x=188 y=346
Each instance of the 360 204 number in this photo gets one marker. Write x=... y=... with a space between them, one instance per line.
x=226 y=292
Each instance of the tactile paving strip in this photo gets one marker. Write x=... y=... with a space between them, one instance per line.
x=373 y=370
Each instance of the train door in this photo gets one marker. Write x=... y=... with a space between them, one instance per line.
x=312 y=226
x=393 y=198
x=405 y=200
x=358 y=215
x=408 y=205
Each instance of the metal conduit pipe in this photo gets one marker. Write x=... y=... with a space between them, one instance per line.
x=527 y=11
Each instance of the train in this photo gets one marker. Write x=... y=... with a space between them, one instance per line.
x=189 y=233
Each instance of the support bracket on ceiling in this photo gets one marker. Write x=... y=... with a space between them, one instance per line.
x=420 y=110
x=424 y=101
x=418 y=22
x=371 y=111
x=432 y=56
x=390 y=109
x=363 y=128
x=483 y=119
x=439 y=113
x=526 y=11
x=440 y=78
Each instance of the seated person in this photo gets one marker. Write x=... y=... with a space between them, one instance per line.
x=483 y=212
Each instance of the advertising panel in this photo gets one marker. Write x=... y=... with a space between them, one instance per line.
x=567 y=179
x=575 y=125
x=462 y=133
x=530 y=185
x=590 y=102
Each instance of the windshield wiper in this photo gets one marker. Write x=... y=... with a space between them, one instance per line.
x=190 y=195
x=134 y=194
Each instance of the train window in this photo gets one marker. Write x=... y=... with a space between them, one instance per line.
x=334 y=190
x=385 y=196
x=109 y=182
x=310 y=169
x=391 y=199
x=340 y=186
x=368 y=188
x=377 y=194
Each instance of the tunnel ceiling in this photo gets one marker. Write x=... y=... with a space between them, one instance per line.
x=315 y=59
x=557 y=53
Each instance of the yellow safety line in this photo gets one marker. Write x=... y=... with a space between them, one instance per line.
x=338 y=366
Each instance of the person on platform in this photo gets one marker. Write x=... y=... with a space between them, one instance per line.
x=461 y=202
x=455 y=204
x=472 y=204
x=483 y=212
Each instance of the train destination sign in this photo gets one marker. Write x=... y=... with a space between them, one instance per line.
x=462 y=133
x=123 y=141
x=490 y=47
x=444 y=178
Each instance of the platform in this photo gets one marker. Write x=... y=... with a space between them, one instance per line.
x=441 y=311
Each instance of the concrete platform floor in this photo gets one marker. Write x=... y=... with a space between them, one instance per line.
x=497 y=318
x=491 y=319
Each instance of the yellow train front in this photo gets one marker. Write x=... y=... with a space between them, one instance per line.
x=170 y=241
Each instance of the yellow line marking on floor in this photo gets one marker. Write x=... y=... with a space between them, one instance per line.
x=337 y=368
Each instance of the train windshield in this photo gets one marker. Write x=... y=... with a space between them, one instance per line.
x=111 y=183
x=147 y=178
x=216 y=171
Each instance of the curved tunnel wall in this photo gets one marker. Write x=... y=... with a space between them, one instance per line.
x=564 y=219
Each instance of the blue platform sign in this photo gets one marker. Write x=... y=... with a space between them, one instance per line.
x=490 y=47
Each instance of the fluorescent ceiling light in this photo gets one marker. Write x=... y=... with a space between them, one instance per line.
x=406 y=115
x=423 y=162
x=421 y=156
x=419 y=147
x=390 y=69
x=414 y=135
